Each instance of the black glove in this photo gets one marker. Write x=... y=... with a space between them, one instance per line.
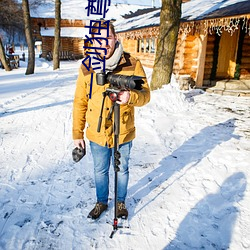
x=78 y=153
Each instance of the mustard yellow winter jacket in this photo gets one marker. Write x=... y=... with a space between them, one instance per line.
x=87 y=110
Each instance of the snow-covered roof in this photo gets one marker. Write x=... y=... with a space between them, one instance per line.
x=75 y=9
x=205 y=9
x=140 y=21
x=191 y=11
x=79 y=32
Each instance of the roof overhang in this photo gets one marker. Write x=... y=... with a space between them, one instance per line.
x=73 y=32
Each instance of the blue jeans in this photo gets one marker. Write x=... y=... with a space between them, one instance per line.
x=102 y=157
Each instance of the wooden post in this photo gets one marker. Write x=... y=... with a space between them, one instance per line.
x=145 y=45
x=201 y=60
x=140 y=42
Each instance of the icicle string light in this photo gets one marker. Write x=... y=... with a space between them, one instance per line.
x=206 y=27
x=218 y=25
x=151 y=32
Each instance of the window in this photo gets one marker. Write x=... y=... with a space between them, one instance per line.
x=146 y=45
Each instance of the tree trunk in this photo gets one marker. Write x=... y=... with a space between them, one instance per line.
x=29 y=38
x=56 y=59
x=3 y=57
x=168 y=34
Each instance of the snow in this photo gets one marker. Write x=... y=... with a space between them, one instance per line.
x=189 y=169
x=66 y=32
x=76 y=9
x=145 y=20
x=192 y=10
x=197 y=9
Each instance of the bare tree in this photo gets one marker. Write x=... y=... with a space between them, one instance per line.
x=11 y=16
x=36 y=3
x=56 y=59
x=28 y=33
x=3 y=57
x=11 y=24
x=168 y=34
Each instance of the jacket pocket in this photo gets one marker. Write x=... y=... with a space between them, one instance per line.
x=126 y=120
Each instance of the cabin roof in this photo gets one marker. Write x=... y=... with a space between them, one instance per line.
x=78 y=32
x=194 y=10
x=75 y=10
x=208 y=9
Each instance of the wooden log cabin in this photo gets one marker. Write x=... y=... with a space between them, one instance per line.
x=212 y=45
x=72 y=37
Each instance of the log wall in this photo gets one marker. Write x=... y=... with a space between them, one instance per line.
x=189 y=57
x=179 y=59
x=186 y=56
x=50 y=22
x=72 y=45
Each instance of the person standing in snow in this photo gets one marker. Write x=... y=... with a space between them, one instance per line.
x=11 y=50
x=86 y=109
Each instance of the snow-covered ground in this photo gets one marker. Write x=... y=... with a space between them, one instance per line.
x=189 y=170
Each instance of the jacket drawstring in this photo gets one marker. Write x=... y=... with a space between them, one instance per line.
x=91 y=85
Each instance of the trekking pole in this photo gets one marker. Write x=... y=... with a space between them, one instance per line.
x=117 y=156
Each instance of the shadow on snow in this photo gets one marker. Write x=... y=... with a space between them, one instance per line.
x=190 y=153
x=210 y=223
x=23 y=110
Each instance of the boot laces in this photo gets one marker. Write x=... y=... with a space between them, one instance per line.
x=121 y=206
x=97 y=209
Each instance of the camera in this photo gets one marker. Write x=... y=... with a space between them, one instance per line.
x=120 y=81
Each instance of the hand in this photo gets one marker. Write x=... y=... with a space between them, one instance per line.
x=79 y=143
x=123 y=97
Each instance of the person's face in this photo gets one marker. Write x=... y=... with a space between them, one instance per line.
x=110 y=46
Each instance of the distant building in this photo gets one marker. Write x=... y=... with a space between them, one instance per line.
x=72 y=37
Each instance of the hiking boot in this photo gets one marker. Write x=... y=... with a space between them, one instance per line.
x=122 y=211
x=97 y=210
